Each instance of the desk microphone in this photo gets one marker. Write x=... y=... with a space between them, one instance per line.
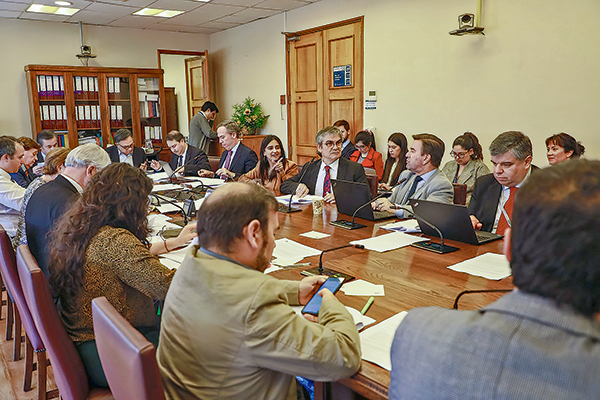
x=341 y=223
x=159 y=198
x=329 y=272
x=289 y=208
x=440 y=248
x=171 y=177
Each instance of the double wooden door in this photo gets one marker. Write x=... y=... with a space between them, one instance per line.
x=325 y=83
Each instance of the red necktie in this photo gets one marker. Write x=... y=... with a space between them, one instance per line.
x=508 y=207
x=327 y=181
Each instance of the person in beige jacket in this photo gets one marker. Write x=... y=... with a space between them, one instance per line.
x=228 y=331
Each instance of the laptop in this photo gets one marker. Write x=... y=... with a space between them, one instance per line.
x=351 y=195
x=452 y=220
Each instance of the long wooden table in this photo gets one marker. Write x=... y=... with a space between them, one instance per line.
x=412 y=278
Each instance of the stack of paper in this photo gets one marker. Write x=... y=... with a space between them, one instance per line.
x=408 y=226
x=376 y=341
x=488 y=265
x=288 y=252
x=362 y=288
x=157 y=176
x=296 y=200
x=390 y=241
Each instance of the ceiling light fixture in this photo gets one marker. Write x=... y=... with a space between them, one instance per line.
x=156 y=12
x=40 y=8
x=63 y=3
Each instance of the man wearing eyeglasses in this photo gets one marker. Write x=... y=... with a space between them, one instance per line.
x=186 y=159
x=422 y=178
x=318 y=176
x=125 y=151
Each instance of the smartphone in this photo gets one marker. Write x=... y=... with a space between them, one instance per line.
x=314 y=304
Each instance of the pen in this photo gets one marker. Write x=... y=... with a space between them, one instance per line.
x=366 y=307
x=296 y=265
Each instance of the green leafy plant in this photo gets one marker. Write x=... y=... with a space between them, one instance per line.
x=249 y=115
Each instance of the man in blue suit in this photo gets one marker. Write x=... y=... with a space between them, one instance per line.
x=540 y=341
x=237 y=159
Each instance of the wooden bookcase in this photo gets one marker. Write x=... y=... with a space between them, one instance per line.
x=78 y=102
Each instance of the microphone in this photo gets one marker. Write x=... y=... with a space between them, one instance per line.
x=289 y=208
x=329 y=272
x=171 y=177
x=354 y=225
x=440 y=248
x=159 y=198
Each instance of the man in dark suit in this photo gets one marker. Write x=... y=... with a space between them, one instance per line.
x=237 y=159
x=48 y=141
x=52 y=200
x=25 y=175
x=318 y=176
x=182 y=155
x=347 y=147
x=541 y=341
x=493 y=194
x=125 y=151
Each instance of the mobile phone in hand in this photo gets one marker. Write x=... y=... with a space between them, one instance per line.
x=314 y=304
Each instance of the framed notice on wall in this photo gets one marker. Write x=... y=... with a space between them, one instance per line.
x=342 y=76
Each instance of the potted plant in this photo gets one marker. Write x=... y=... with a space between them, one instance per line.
x=249 y=116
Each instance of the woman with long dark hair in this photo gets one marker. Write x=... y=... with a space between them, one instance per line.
x=467 y=164
x=395 y=162
x=100 y=248
x=273 y=166
x=562 y=147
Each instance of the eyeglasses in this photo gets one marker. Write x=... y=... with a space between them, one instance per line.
x=458 y=155
x=329 y=144
x=128 y=147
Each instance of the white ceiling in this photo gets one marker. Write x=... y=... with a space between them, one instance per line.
x=198 y=16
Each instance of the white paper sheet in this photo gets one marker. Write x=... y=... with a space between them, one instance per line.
x=158 y=176
x=489 y=265
x=389 y=241
x=360 y=320
x=168 y=207
x=272 y=268
x=198 y=203
x=207 y=181
x=177 y=255
x=360 y=287
x=295 y=200
x=166 y=186
x=314 y=235
x=408 y=226
x=376 y=341
x=292 y=252
x=169 y=263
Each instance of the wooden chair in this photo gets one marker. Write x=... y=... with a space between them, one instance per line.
x=214 y=163
x=460 y=193
x=128 y=358
x=68 y=369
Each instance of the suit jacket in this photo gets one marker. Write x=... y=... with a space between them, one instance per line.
x=241 y=339
x=473 y=170
x=201 y=132
x=348 y=171
x=484 y=200
x=244 y=160
x=520 y=347
x=46 y=205
x=22 y=178
x=138 y=155
x=348 y=150
x=372 y=160
x=437 y=188
x=199 y=163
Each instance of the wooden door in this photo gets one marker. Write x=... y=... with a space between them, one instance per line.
x=196 y=76
x=325 y=83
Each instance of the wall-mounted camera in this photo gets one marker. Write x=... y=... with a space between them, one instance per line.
x=466 y=25
x=466 y=21
x=85 y=49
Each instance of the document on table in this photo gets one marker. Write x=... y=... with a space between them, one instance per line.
x=177 y=255
x=314 y=235
x=296 y=200
x=376 y=341
x=359 y=287
x=360 y=320
x=168 y=207
x=158 y=176
x=206 y=181
x=408 y=226
x=169 y=263
x=166 y=186
x=488 y=265
x=389 y=241
x=288 y=252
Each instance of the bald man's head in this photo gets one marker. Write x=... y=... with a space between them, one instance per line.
x=224 y=214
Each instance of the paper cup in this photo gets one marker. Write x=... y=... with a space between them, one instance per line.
x=317 y=206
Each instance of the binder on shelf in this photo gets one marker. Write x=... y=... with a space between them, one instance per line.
x=120 y=116
x=113 y=115
x=93 y=116
x=64 y=112
x=84 y=88
x=92 y=88
x=56 y=86
x=78 y=88
x=52 y=109
x=46 y=116
x=99 y=116
x=117 y=88
x=80 y=117
x=96 y=88
x=88 y=116
x=49 y=92
x=42 y=87
x=62 y=87
x=111 y=87
x=59 y=118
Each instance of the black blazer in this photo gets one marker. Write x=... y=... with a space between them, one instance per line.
x=47 y=204
x=348 y=171
x=485 y=198
x=244 y=160
x=348 y=150
x=21 y=177
x=139 y=155
x=196 y=165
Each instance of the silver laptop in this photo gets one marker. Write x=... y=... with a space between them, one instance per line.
x=351 y=195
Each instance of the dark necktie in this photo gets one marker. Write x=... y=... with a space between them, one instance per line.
x=227 y=160
x=327 y=181
x=180 y=162
x=503 y=223
x=413 y=188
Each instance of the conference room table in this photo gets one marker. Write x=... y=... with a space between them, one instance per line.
x=412 y=277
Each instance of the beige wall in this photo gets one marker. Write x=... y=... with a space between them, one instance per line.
x=33 y=42
x=536 y=70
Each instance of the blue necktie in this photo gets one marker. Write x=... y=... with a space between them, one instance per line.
x=413 y=188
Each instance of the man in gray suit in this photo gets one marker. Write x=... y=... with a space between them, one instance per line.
x=540 y=341
x=200 y=129
x=422 y=179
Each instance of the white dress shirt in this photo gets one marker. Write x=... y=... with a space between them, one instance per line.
x=74 y=183
x=126 y=159
x=11 y=199
x=333 y=170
